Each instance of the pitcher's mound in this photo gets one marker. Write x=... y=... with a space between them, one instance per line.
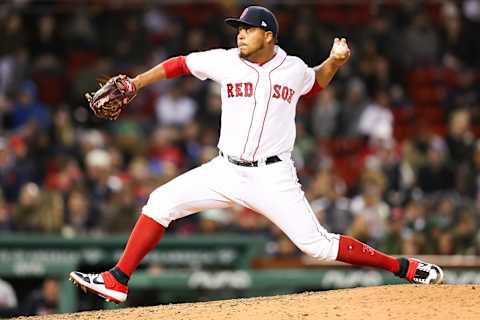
x=449 y=302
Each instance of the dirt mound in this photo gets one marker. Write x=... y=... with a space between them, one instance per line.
x=386 y=302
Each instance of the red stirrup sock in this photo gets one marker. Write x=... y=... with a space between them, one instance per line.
x=144 y=237
x=358 y=253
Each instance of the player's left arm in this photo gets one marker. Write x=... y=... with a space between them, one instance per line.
x=339 y=55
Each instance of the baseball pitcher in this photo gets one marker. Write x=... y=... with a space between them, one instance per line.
x=260 y=88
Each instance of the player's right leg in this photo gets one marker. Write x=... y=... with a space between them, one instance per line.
x=188 y=193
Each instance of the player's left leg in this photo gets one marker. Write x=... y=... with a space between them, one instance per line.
x=278 y=196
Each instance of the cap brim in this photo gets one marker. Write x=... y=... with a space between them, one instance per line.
x=237 y=23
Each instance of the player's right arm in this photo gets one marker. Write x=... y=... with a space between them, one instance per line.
x=339 y=55
x=319 y=77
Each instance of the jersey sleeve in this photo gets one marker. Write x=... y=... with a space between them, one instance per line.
x=308 y=79
x=207 y=64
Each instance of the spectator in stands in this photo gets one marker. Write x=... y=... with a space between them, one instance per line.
x=64 y=174
x=460 y=141
x=79 y=213
x=25 y=215
x=376 y=121
x=8 y=300
x=464 y=232
x=394 y=237
x=28 y=110
x=128 y=138
x=415 y=150
x=399 y=176
x=460 y=138
x=416 y=227
x=351 y=109
x=141 y=178
x=420 y=31
x=43 y=301
x=50 y=214
x=175 y=108
x=118 y=212
x=370 y=212
x=62 y=133
x=325 y=114
x=47 y=43
x=13 y=41
x=415 y=217
x=329 y=202
x=436 y=174
x=457 y=41
x=27 y=164
x=100 y=167
x=164 y=154
x=442 y=220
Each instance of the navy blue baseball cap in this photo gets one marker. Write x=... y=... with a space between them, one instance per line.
x=256 y=16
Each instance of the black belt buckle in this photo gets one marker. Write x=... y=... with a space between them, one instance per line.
x=245 y=163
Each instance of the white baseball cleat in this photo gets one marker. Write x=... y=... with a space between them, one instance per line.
x=423 y=273
x=102 y=284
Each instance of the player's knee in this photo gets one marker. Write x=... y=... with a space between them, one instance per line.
x=323 y=248
x=159 y=208
x=315 y=252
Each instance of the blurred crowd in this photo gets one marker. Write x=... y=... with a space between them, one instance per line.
x=389 y=153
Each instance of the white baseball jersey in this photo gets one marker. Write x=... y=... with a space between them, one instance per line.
x=258 y=102
x=258 y=121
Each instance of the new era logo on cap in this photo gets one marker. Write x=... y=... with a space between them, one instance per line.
x=264 y=24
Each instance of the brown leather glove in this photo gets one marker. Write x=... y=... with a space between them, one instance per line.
x=112 y=97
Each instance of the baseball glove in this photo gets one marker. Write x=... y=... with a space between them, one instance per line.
x=112 y=97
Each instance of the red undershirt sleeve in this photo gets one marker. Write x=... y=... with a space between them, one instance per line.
x=315 y=89
x=176 y=67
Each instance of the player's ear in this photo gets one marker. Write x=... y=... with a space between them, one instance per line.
x=269 y=37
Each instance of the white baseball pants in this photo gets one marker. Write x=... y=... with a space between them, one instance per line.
x=271 y=190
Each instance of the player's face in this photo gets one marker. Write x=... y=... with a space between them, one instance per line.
x=250 y=40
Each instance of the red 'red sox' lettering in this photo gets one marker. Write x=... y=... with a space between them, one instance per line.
x=246 y=90
x=240 y=89
x=283 y=92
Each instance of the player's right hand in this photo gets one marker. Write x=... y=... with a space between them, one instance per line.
x=340 y=52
